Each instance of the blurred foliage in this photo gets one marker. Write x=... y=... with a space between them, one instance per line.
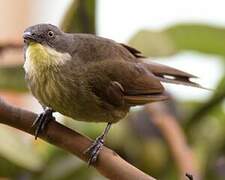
x=27 y=155
x=80 y=17
x=198 y=37
x=180 y=37
x=21 y=158
x=155 y=43
x=215 y=100
x=12 y=78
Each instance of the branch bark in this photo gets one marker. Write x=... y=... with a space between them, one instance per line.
x=109 y=164
x=10 y=44
x=175 y=138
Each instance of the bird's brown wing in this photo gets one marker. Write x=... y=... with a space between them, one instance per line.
x=165 y=73
x=124 y=82
x=116 y=95
x=136 y=53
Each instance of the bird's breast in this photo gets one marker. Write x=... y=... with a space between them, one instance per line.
x=42 y=66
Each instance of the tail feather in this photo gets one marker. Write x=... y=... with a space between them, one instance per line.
x=185 y=82
x=162 y=70
x=171 y=75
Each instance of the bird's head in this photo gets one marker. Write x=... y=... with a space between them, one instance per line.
x=46 y=44
x=46 y=35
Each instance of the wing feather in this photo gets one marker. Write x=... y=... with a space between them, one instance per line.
x=126 y=82
x=165 y=73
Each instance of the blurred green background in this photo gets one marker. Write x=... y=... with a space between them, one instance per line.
x=201 y=120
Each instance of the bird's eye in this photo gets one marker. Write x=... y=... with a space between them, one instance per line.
x=50 y=33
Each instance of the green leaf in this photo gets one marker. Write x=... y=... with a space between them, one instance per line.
x=153 y=44
x=18 y=151
x=12 y=78
x=197 y=37
x=80 y=17
x=8 y=169
x=215 y=100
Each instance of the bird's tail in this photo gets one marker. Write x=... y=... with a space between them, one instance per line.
x=171 y=75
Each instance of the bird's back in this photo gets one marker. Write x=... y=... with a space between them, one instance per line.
x=90 y=48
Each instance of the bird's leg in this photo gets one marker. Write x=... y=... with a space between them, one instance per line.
x=95 y=148
x=42 y=120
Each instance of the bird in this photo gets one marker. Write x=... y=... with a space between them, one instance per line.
x=91 y=78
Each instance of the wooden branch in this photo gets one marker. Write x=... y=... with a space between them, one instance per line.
x=109 y=164
x=10 y=44
x=175 y=138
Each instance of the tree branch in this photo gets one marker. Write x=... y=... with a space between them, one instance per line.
x=175 y=138
x=109 y=163
x=11 y=44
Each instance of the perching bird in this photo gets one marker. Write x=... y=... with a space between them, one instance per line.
x=90 y=78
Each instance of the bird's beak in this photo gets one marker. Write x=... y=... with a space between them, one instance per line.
x=28 y=36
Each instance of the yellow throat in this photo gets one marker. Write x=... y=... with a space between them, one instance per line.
x=39 y=56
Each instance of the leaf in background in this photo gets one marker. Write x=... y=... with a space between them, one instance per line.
x=153 y=44
x=16 y=150
x=12 y=78
x=198 y=37
x=80 y=17
x=61 y=168
x=216 y=99
x=8 y=169
x=66 y=168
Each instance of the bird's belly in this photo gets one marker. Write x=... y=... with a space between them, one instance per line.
x=88 y=109
x=70 y=100
x=98 y=114
x=48 y=91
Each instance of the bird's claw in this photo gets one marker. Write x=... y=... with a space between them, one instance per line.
x=94 y=150
x=41 y=121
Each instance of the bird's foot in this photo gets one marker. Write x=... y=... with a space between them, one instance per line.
x=95 y=149
x=42 y=120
